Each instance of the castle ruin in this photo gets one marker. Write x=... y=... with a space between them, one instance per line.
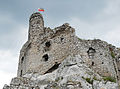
x=46 y=48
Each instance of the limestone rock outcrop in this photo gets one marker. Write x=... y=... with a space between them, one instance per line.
x=72 y=73
x=58 y=59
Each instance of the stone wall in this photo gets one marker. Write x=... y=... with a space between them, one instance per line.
x=46 y=48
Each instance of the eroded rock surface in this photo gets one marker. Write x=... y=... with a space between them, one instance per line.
x=72 y=73
x=58 y=59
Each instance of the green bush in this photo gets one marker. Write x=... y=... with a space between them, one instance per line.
x=59 y=78
x=80 y=39
x=89 y=80
x=109 y=78
x=95 y=78
x=112 y=54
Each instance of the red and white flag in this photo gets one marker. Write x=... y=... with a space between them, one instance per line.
x=40 y=9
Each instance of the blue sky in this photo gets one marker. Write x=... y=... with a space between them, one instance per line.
x=91 y=19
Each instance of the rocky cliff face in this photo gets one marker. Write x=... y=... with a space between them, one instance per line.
x=72 y=73
x=58 y=59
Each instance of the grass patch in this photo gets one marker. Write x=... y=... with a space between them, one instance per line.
x=95 y=78
x=59 y=78
x=88 y=80
x=109 y=78
x=80 y=39
x=112 y=54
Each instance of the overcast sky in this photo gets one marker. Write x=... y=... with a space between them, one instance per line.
x=91 y=19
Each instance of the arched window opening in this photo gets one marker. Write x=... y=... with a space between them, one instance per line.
x=46 y=57
x=91 y=52
x=48 y=44
x=92 y=63
x=62 y=39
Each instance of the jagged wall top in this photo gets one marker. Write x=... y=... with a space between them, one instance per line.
x=35 y=15
x=36 y=21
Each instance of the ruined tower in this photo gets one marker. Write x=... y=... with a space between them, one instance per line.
x=45 y=48
x=36 y=26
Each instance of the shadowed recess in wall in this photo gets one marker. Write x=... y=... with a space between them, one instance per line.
x=53 y=68
x=46 y=57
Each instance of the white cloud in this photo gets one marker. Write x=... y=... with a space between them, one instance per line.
x=8 y=67
x=9 y=57
x=84 y=29
x=105 y=24
x=113 y=36
x=8 y=61
x=15 y=37
x=104 y=30
x=112 y=8
x=5 y=78
x=7 y=18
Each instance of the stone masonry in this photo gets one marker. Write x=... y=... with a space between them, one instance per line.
x=46 y=48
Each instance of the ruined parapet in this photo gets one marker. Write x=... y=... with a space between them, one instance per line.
x=36 y=21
